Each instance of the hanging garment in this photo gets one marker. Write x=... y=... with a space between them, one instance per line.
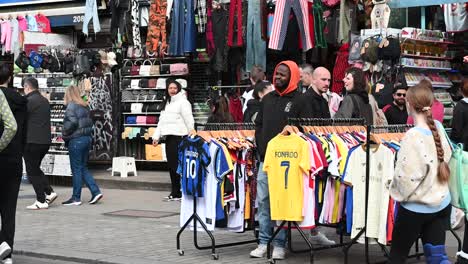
x=202 y=16
x=43 y=23
x=157 y=26
x=170 y=5
x=210 y=43
x=136 y=24
x=15 y=44
x=310 y=7
x=183 y=32
x=256 y=46
x=235 y=108
x=456 y=17
x=32 y=24
x=345 y=22
x=220 y=21
x=5 y=39
x=319 y=25
x=235 y=8
x=380 y=16
x=341 y=65
x=91 y=13
x=281 y=20
x=22 y=23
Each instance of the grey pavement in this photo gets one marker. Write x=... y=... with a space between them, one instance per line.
x=88 y=234
x=36 y=260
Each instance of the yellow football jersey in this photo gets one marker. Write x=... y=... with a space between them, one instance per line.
x=286 y=159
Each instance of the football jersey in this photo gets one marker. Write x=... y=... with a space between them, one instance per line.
x=194 y=157
x=286 y=159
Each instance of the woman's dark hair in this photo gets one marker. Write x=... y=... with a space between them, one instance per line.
x=6 y=72
x=167 y=97
x=260 y=86
x=359 y=85
x=221 y=112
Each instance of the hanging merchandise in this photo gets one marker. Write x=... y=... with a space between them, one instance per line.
x=380 y=15
x=43 y=24
x=345 y=21
x=202 y=18
x=15 y=44
x=91 y=13
x=32 y=23
x=319 y=24
x=341 y=65
x=157 y=27
x=456 y=17
x=135 y=24
x=183 y=30
x=256 y=46
x=280 y=27
x=5 y=41
x=220 y=19
x=235 y=14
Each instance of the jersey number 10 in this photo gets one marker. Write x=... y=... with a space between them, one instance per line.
x=190 y=167
x=286 y=171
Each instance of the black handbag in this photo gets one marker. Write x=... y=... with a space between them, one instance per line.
x=165 y=69
x=127 y=68
x=81 y=65
x=22 y=62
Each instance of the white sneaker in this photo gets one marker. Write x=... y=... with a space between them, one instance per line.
x=51 y=198
x=8 y=261
x=457 y=218
x=38 y=206
x=321 y=239
x=5 y=250
x=279 y=253
x=259 y=252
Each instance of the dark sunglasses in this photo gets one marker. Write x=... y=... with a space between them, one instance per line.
x=400 y=94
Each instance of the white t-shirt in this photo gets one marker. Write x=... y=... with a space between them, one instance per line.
x=236 y=215
x=456 y=17
x=247 y=96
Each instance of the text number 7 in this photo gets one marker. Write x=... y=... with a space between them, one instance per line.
x=286 y=171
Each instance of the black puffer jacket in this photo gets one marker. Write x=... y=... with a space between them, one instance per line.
x=356 y=106
x=77 y=122
x=460 y=124
x=18 y=105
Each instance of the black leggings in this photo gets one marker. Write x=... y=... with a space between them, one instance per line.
x=172 y=154
x=409 y=226
x=465 y=237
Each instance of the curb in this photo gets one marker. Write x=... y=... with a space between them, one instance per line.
x=58 y=257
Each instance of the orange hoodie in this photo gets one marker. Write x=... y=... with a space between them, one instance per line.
x=295 y=77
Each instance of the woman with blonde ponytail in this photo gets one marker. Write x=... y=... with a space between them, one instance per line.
x=420 y=183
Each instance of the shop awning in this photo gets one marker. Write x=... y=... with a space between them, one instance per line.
x=416 y=3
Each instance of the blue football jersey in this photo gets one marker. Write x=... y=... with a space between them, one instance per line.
x=194 y=157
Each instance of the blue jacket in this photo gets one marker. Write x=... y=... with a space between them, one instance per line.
x=77 y=122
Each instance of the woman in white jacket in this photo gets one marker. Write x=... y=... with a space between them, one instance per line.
x=175 y=122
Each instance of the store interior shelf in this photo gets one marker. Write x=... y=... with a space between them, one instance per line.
x=140 y=125
x=426 y=57
x=56 y=102
x=142 y=101
x=57 y=151
x=146 y=113
x=56 y=133
x=50 y=174
x=150 y=160
x=426 y=68
x=434 y=84
x=58 y=74
x=430 y=41
x=56 y=120
x=153 y=76
x=58 y=142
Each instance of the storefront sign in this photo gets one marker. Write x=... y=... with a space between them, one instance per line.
x=28 y=2
x=415 y=3
x=66 y=20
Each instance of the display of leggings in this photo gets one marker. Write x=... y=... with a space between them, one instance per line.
x=235 y=8
x=183 y=31
x=91 y=12
x=136 y=24
x=281 y=20
x=220 y=19
x=210 y=43
x=409 y=226
x=157 y=26
x=256 y=46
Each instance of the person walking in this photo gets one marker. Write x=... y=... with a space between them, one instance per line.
x=396 y=112
x=261 y=89
x=420 y=183
x=220 y=111
x=175 y=122
x=12 y=117
x=459 y=134
x=273 y=116
x=38 y=140
x=77 y=129
x=355 y=104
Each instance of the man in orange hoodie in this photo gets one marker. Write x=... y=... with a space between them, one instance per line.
x=276 y=107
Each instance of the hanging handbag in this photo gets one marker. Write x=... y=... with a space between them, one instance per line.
x=136 y=108
x=135 y=70
x=161 y=83
x=165 y=69
x=135 y=84
x=127 y=67
x=145 y=68
x=154 y=70
x=179 y=68
x=152 y=83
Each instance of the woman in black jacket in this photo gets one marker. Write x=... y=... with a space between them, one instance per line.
x=356 y=102
x=77 y=129
x=220 y=111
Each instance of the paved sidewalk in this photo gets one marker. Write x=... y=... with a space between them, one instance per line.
x=87 y=234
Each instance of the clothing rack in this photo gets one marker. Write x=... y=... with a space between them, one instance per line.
x=195 y=217
x=220 y=88
x=380 y=130
x=311 y=249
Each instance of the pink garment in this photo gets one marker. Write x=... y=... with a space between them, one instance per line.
x=437 y=113
x=22 y=23
x=6 y=35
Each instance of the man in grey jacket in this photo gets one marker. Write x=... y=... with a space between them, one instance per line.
x=38 y=140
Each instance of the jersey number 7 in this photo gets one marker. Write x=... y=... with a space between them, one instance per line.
x=286 y=171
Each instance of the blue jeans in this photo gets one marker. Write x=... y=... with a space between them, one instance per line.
x=264 y=217
x=78 y=149
x=256 y=46
x=183 y=29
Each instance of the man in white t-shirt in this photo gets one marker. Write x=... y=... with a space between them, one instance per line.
x=256 y=74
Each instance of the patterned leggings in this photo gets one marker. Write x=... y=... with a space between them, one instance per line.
x=157 y=26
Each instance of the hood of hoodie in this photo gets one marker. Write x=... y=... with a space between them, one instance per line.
x=179 y=96
x=293 y=81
